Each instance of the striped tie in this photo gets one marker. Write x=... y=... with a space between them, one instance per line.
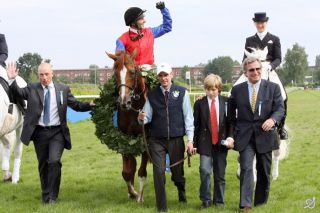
x=253 y=98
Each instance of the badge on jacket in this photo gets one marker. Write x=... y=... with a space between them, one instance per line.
x=175 y=94
x=270 y=42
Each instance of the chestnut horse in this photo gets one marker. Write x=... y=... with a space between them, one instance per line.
x=132 y=96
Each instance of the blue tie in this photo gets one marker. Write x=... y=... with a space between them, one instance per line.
x=46 y=111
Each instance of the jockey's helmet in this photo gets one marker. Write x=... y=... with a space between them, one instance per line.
x=132 y=14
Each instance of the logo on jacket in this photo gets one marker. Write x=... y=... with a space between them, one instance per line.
x=175 y=94
x=270 y=42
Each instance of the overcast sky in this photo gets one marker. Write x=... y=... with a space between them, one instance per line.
x=75 y=34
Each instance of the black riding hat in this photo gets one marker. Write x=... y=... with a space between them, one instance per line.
x=132 y=14
x=260 y=17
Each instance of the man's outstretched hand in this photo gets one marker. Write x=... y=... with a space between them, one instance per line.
x=160 y=5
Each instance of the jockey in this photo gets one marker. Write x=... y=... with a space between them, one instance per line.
x=141 y=38
x=264 y=39
x=3 y=57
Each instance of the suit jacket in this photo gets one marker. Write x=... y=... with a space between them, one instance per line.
x=248 y=124
x=202 y=131
x=34 y=94
x=273 y=44
x=3 y=50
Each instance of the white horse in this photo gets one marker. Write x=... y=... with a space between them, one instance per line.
x=10 y=131
x=272 y=76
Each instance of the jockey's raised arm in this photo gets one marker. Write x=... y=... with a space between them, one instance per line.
x=166 y=25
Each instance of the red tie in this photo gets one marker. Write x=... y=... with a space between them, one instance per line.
x=214 y=123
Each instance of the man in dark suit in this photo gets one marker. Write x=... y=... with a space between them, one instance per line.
x=264 y=39
x=45 y=123
x=213 y=136
x=256 y=108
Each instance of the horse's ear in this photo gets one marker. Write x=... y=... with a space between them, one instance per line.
x=134 y=53
x=112 y=56
x=247 y=53
x=265 y=50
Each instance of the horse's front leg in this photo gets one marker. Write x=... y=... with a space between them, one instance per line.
x=17 y=156
x=142 y=174
x=128 y=172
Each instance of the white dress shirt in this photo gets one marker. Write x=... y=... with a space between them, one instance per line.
x=54 y=114
x=262 y=35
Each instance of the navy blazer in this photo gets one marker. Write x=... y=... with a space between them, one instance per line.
x=202 y=125
x=248 y=124
x=34 y=94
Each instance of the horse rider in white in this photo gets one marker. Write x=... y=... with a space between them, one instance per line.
x=10 y=123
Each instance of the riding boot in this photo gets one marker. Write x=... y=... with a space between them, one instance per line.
x=283 y=133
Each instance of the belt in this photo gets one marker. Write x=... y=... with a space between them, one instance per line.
x=47 y=127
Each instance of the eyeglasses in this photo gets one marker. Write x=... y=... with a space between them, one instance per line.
x=254 y=69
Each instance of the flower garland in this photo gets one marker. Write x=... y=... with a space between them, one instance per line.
x=102 y=116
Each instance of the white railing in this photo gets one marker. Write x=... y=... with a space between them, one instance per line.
x=86 y=96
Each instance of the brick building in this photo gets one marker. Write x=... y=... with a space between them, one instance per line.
x=103 y=74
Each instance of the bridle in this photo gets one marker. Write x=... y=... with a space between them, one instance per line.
x=133 y=90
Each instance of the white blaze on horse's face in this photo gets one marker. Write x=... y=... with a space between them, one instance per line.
x=123 y=74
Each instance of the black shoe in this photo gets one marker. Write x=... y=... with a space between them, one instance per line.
x=205 y=204
x=182 y=196
x=283 y=134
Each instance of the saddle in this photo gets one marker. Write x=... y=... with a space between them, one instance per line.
x=13 y=99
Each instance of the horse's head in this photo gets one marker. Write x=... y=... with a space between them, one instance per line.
x=257 y=53
x=130 y=82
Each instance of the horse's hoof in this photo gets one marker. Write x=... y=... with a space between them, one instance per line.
x=140 y=199
x=133 y=196
x=15 y=181
x=7 y=180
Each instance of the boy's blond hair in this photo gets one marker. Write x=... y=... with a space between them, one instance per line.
x=213 y=81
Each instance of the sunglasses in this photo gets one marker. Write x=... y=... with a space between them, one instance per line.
x=254 y=69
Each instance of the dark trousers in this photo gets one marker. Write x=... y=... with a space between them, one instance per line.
x=49 y=146
x=263 y=167
x=158 y=148
x=217 y=164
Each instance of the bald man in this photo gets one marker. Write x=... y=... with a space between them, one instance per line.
x=45 y=124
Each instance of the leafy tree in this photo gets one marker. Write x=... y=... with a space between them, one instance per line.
x=222 y=66
x=28 y=66
x=295 y=65
x=317 y=64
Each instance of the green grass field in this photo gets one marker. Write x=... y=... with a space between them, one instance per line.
x=92 y=182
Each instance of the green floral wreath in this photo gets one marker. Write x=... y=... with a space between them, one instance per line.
x=102 y=116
